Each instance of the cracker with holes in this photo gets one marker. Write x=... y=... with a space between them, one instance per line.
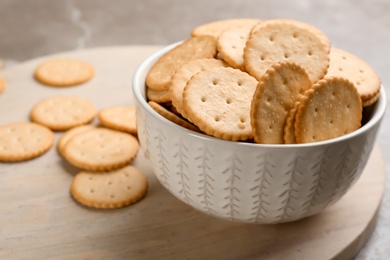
x=282 y=40
x=63 y=72
x=184 y=74
x=65 y=137
x=101 y=149
x=331 y=108
x=194 y=48
x=24 y=141
x=231 y=44
x=218 y=102
x=159 y=96
x=275 y=95
x=216 y=28
x=63 y=112
x=121 y=118
x=113 y=189
x=346 y=65
x=172 y=116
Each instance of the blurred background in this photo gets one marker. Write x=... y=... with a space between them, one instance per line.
x=34 y=28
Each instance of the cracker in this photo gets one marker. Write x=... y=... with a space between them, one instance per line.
x=218 y=102
x=277 y=91
x=216 y=28
x=172 y=116
x=194 y=48
x=62 y=72
x=63 y=112
x=231 y=44
x=331 y=108
x=371 y=101
x=183 y=75
x=346 y=65
x=3 y=84
x=281 y=40
x=114 y=189
x=24 y=141
x=101 y=149
x=65 y=137
x=320 y=34
x=159 y=96
x=289 y=130
x=121 y=118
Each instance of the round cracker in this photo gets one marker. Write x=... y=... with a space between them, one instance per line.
x=183 y=75
x=289 y=130
x=172 y=116
x=281 y=40
x=275 y=95
x=24 y=141
x=331 y=108
x=194 y=48
x=346 y=65
x=218 y=102
x=65 y=137
x=231 y=44
x=101 y=149
x=63 y=72
x=114 y=189
x=3 y=84
x=371 y=101
x=63 y=112
x=159 y=96
x=217 y=27
x=121 y=118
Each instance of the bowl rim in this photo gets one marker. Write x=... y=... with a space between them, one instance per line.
x=137 y=93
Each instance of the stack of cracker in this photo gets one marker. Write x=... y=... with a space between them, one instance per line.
x=272 y=82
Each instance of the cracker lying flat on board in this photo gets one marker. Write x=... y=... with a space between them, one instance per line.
x=218 y=102
x=114 y=189
x=101 y=149
x=61 y=113
x=330 y=108
x=65 y=137
x=281 y=40
x=346 y=65
x=24 y=141
x=3 y=84
x=121 y=118
x=277 y=91
x=172 y=116
x=216 y=28
x=194 y=48
x=231 y=44
x=62 y=72
x=184 y=74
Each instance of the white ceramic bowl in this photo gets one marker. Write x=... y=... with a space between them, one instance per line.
x=248 y=182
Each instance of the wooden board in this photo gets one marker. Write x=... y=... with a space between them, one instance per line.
x=40 y=220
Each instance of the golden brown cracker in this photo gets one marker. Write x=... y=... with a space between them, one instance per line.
x=159 y=96
x=172 y=116
x=24 y=141
x=65 y=137
x=231 y=44
x=183 y=75
x=217 y=27
x=218 y=102
x=121 y=118
x=63 y=72
x=113 y=189
x=289 y=130
x=101 y=149
x=281 y=40
x=61 y=113
x=194 y=48
x=331 y=108
x=275 y=95
x=371 y=101
x=346 y=65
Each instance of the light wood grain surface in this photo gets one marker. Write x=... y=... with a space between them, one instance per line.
x=40 y=220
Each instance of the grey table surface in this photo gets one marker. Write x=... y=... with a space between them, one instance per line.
x=33 y=28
